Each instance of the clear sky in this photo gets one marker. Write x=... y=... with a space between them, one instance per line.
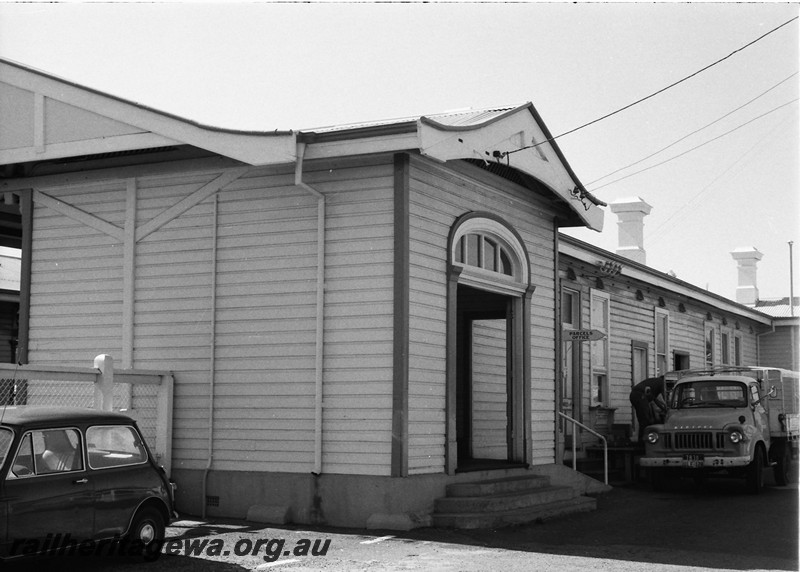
x=293 y=66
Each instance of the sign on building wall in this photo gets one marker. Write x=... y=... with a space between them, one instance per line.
x=583 y=335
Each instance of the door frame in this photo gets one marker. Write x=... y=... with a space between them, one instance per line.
x=519 y=292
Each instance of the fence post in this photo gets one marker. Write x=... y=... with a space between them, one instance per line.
x=104 y=386
x=164 y=422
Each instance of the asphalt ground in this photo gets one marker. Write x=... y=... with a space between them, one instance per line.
x=714 y=527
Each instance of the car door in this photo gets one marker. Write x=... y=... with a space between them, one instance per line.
x=48 y=505
x=122 y=474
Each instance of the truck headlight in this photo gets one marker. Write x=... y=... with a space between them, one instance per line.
x=652 y=437
x=736 y=437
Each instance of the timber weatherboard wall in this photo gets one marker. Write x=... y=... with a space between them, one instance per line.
x=357 y=430
x=263 y=338
x=634 y=320
x=439 y=195
x=489 y=389
x=76 y=278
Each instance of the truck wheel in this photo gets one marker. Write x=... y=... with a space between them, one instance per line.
x=755 y=475
x=783 y=464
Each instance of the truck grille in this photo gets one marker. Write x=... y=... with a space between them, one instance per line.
x=694 y=440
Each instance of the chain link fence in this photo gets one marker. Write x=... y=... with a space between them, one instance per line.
x=144 y=400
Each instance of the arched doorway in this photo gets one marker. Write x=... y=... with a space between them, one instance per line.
x=488 y=345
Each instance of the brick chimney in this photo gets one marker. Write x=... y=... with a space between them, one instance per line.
x=630 y=222
x=747 y=258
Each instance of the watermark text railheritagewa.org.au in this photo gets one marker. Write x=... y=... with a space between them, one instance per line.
x=270 y=549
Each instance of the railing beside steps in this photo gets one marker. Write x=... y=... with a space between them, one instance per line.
x=577 y=423
x=144 y=395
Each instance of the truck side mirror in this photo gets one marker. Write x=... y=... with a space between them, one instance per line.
x=757 y=400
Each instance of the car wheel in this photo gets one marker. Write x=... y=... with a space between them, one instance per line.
x=147 y=532
x=755 y=475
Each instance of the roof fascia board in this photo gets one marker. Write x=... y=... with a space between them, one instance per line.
x=366 y=146
x=569 y=247
x=193 y=166
x=511 y=130
x=91 y=147
x=556 y=149
x=254 y=148
x=387 y=129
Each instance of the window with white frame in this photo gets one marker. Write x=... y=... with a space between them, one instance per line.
x=482 y=250
x=710 y=341
x=725 y=347
x=737 y=349
x=662 y=341
x=600 y=320
x=491 y=256
x=571 y=356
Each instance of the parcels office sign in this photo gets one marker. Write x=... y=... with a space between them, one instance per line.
x=583 y=335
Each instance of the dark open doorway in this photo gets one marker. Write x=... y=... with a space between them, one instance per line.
x=484 y=391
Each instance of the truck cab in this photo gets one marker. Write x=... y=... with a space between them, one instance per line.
x=726 y=421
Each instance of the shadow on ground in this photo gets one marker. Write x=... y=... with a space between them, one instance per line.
x=715 y=526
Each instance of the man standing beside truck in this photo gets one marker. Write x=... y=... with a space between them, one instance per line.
x=645 y=400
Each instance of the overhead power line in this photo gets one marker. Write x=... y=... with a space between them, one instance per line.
x=662 y=90
x=656 y=233
x=696 y=146
x=759 y=96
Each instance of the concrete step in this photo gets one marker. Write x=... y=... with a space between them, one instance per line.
x=519 y=499
x=506 y=501
x=497 y=486
x=500 y=518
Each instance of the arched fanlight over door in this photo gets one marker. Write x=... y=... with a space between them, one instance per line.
x=490 y=256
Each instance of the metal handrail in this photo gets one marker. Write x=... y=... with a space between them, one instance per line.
x=575 y=447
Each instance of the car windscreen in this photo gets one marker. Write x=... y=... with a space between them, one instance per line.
x=709 y=393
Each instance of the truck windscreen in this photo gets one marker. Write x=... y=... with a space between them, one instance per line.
x=710 y=393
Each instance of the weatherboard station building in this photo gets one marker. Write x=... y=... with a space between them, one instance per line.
x=355 y=317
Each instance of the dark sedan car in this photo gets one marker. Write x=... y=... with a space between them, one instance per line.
x=78 y=481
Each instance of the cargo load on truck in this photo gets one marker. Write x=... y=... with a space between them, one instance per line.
x=726 y=421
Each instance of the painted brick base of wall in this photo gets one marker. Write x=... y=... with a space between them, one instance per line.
x=357 y=501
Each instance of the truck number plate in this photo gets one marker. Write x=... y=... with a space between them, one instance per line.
x=693 y=461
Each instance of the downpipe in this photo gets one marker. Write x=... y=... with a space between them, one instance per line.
x=320 y=313
x=212 y=357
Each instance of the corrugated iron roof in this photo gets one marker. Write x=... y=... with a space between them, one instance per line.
x=455 y=118
x=778 y=307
